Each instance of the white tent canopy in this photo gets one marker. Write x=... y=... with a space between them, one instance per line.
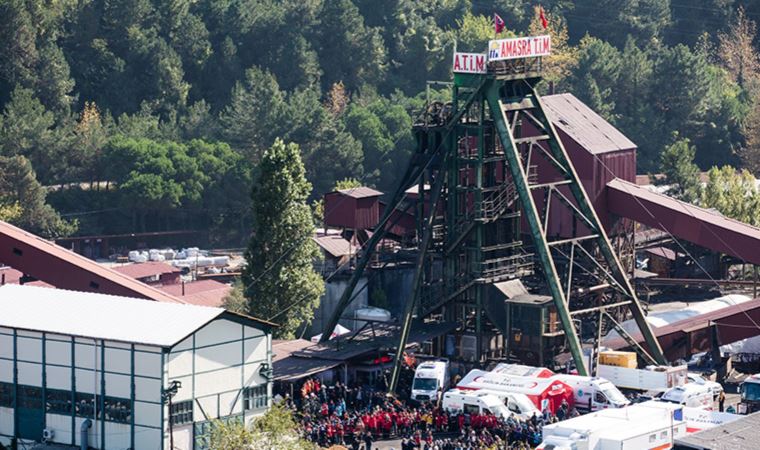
x=339 y=330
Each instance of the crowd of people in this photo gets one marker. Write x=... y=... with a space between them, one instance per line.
x=357 y=417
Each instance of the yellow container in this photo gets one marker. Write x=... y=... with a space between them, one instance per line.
x=620 y=359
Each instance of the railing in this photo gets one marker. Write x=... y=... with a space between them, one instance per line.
x=507 y=267
x=496 y=205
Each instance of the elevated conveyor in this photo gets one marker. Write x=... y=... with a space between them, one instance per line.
x=685 y=221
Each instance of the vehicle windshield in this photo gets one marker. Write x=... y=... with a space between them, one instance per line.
x=525 y=405
x=425 y=384
x=613 y=394
x=500 y=411
x=751 y=391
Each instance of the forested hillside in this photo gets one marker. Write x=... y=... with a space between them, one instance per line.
x=136 y=115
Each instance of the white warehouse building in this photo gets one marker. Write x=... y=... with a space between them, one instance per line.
x=125 y=373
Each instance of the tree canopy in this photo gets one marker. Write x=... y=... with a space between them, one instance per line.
x=83 y=84
x=279 y=281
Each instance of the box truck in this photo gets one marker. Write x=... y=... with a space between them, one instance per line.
x=431 y=378
x=649 y=425
x=544 y=393
x=651 y=378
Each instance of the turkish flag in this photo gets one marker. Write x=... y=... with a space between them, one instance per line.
x=498 y=23
x=542 y=17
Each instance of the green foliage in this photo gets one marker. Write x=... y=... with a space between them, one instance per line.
x=275 y=429
x=248 y=72
x=681 y=174
x=27 y=129
x=733 y=193
x=280 y=282
x=19 y=188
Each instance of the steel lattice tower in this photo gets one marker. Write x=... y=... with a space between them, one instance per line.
x=476 y=168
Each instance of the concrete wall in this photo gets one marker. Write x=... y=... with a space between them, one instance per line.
x=333 y=291
x=397 y=284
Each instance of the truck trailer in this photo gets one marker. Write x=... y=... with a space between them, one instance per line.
x=649 y=379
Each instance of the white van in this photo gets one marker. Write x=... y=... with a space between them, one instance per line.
x=430 y=379
x=474 y=402
x=715 y=387
x=594 y=393
x=693 y=395
x=518 y=404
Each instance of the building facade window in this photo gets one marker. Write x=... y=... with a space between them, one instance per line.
x=256 y=397
x=117 y=410
x=181 y=412
x=58 y=402
x=6 y=395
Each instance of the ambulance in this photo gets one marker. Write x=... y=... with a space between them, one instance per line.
x=593 y=393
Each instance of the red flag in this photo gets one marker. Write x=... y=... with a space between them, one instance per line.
x=542 y=17
x=498 y=23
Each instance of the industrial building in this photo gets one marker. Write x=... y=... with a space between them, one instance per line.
x=517 y=215
x=118 y=373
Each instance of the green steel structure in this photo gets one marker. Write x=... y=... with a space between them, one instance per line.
x=477 y=166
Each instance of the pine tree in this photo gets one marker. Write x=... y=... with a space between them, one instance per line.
x=681 y=174
x=279 y=279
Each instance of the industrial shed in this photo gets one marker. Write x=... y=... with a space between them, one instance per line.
x=143 y=373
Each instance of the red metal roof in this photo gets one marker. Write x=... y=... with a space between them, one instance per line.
x=583 y=125
x=335 y=245
x=146 y=269
x=64 y=269
x=9 y=275
x=360 y=192
x=685 y=337
x=664 y=252
x=201 y=292
x=705 y=228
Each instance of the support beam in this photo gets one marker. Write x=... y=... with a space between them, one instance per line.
x=406 y=325
x=603 y=242
x=520 y=178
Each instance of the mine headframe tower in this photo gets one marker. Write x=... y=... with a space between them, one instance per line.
x=486 y=163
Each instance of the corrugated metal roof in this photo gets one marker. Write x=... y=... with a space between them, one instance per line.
x=736 y=435
x=65 y=269
x=583 y=125
x=664 y=252
x=686 y=221
x=335 y=245
x=100 y=316
x=201 y=292
x=360 y=192
x=146 y=269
